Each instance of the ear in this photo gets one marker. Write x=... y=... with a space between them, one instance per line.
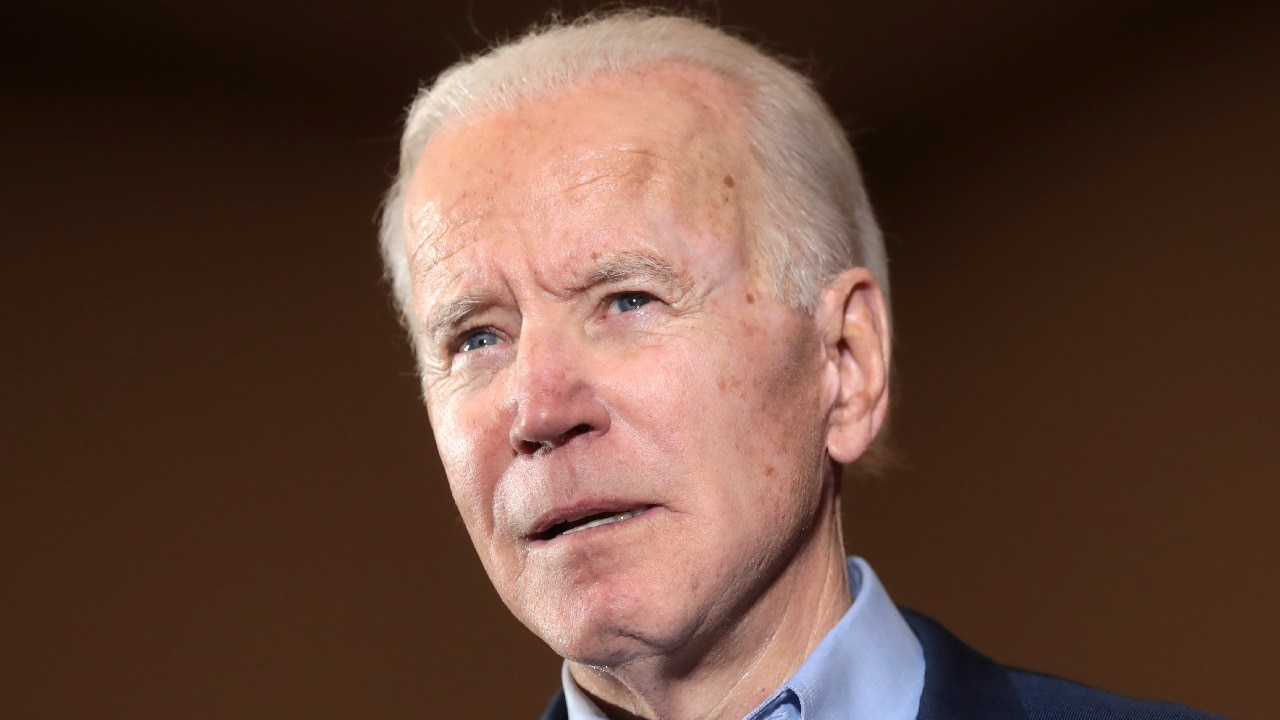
x=854 y=321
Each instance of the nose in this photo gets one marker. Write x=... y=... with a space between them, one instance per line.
x=554 y=393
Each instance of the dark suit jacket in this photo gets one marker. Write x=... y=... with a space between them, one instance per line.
x=961 y=684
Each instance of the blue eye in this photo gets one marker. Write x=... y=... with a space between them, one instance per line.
x=478 y=339
x=627 y=302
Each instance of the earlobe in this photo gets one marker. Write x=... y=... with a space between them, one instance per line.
x=854 y=320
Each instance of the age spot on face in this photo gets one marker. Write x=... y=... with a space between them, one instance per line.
x=728 y=181
x=750 y=299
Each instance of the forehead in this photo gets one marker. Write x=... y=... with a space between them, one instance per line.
x=669 y=135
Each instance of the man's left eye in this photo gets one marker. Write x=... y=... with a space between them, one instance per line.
x=626 y=302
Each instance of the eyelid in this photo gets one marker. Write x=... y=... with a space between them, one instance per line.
x=453 y=317
x=608 y=305
x=618 y=295
x=460 y=338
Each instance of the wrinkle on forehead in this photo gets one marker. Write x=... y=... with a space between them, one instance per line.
x=481 y=176
x=437 y=233
x=430 y=230
x=622 y=163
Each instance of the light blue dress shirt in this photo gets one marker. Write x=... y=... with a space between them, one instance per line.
x=870 y=666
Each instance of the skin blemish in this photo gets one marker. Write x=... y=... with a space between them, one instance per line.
x=750 y=298
x=728 y=181
x=768 y=470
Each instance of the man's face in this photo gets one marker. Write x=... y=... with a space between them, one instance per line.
x=632 y=425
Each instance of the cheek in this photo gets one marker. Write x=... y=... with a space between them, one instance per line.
x=470 y=446
x=772 y=395
x=720 y=401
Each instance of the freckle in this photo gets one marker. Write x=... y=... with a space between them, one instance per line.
x=720 y=383
x=750 y=298
x=595 y=256
x=728 y=181
x=768 y=470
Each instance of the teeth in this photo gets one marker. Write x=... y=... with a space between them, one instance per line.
x=602 y=521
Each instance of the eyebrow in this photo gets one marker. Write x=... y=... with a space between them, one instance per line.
x=631 y=265
x=453 y=312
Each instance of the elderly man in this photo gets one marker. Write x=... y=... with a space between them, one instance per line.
x=649 y=303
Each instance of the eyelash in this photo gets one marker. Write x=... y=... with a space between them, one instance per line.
x=637 y=294
x=459 y=345
x=466 y=337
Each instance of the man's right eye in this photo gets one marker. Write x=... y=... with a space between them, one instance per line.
x=477 y=340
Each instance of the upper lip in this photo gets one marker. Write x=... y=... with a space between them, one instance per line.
x=578 y=510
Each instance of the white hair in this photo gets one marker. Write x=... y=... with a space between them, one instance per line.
x=815 y=220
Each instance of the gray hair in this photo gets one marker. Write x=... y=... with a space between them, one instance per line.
x=815 y=220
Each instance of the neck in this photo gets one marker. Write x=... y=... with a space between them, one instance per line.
x=750 y=660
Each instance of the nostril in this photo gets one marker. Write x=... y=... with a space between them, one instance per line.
x=532 y=447
x=529 y=447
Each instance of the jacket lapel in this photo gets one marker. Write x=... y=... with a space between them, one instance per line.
x=556 y=710
x=959 y=683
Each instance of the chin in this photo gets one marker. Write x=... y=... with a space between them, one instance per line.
x=611 y=631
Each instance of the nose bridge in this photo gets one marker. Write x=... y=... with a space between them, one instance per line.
x=544 y=363
x=551 y=387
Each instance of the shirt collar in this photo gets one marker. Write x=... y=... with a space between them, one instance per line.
x=870 y=666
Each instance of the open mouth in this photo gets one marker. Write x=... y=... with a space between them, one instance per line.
x=586 y=522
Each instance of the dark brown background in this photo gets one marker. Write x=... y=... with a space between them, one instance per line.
x=220 y=494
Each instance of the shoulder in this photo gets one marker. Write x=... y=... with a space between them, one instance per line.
x=1050 y=698
x=961 y=683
